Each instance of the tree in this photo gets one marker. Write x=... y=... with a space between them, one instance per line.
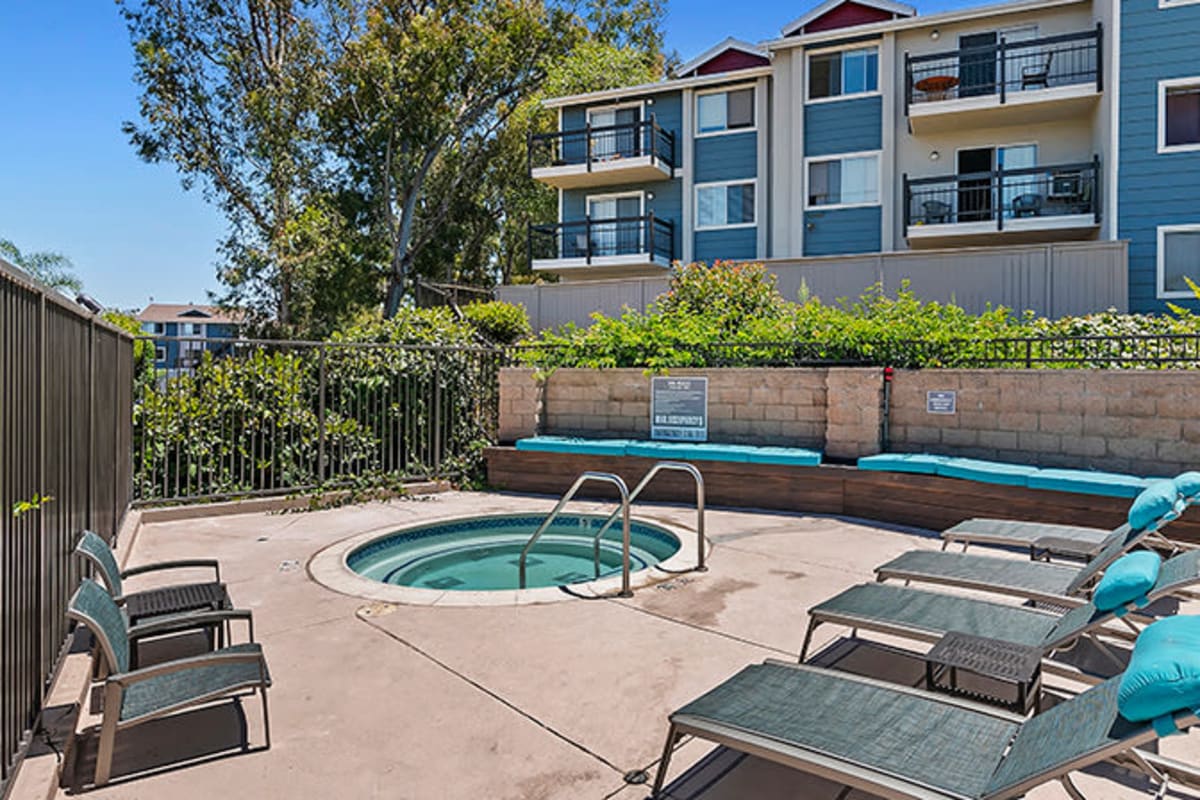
x=53 y=269
x=230 y=95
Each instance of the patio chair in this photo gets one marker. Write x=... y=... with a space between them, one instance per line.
x=936 y=212
x=1037 y=75
x=134 y=696
x=144 y=605
x=1027 y=205
x=896 y=741
x=1061 y=584
x=928 y=616
x=1014 y=533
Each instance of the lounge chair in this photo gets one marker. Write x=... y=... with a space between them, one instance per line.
x=132 y=697
x=899 y=742
x=145 y=605
x=1060 y=584
x=928 y=616
x=1012 y=533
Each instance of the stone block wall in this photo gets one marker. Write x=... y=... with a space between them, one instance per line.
x=520 y=404
x=1139 y=422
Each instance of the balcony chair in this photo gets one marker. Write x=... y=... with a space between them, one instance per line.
x=1037 y=76
x=133 y=696
x=1027 y=205
x=936 y=212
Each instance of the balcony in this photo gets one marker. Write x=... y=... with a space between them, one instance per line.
x=1052 y=78
x=635 y=152
x=1037 y=204
x=603 y=248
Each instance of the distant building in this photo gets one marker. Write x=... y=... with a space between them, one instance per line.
x=183 y=332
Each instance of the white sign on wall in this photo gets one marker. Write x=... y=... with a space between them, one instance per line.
x=679 y=409
x=941 y=402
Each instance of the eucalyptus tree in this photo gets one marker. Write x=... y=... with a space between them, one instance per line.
x=53 y=269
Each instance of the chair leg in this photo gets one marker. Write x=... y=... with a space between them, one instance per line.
x=266 y=716
x=812 y=626
x=668 y=749
x=108 y=734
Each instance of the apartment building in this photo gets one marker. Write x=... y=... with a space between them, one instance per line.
x=866 y=127
x=183 y=332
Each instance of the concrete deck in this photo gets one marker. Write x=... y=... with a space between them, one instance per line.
x=519 y=701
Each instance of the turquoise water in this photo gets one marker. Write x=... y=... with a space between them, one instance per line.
x=483 y=553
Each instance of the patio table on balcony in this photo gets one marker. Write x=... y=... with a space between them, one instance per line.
x=936 y=86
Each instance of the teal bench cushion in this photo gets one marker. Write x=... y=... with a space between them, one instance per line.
x=570 y=444
x=918 y=463
x=789 y=456
x=1108 y=484
x=684 y=451
x=1127 y=580
x=1188 y=486
x=985 y=471
x=1156 y=504
x=1163 y=676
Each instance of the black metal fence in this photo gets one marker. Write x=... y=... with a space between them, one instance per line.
x=65 y=432
x=1004 y=195
x=269 y=417
x=1003 y=68
x=588 y=239
x=591 y=145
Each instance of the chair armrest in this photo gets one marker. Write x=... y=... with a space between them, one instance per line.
x=187 y=563
x=126 y=679
x=192 y=619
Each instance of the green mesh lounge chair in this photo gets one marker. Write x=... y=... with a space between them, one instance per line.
x=174 y=599
x=898 y=742
x=132 y=697
x=1013 y=533
x=1034 y=580
x=927 y=616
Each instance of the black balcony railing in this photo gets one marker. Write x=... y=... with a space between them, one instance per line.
x=1005 y=68
x=590 y=239
x=1004 y=195
x=590 y=145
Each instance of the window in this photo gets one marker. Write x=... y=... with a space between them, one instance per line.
x=848 y=72
x=1179 y=114
x=1178 y=258
x=153 y=327
x=725 y=205
x=191 y=329
x=844 y=181
x=160 y=354
x=718 y=112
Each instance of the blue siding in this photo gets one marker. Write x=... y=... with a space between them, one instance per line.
x=667 y=203
x=1155 y=189
x=735 y=243
x=844 y=126
x=726 y=157
x=842 y=231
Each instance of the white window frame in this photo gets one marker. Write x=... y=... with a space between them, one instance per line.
x=640 y=194
x=1163 y=86
x=587 y=114
x=724 y=90
x=727 y=226
x=160 y=353
x=842 y=157
x=1176 y=3
x=1160 y=267
x=845 y=49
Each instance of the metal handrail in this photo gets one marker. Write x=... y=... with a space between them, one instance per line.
x=603 y=477
x=678 y=466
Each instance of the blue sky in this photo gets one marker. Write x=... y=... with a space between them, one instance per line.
x=69 y=181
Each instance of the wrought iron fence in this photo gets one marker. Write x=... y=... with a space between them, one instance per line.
x=589 y=239
x=269 y=417
x=593 y=145
x=65 y=431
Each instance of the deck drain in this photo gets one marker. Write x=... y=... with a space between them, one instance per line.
x=636 y=777
x=291 y=565
x=376 y=610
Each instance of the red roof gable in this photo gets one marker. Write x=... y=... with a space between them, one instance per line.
x=731 y=60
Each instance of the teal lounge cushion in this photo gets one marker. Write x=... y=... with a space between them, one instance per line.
x=918 y=463
x=985 y=471
x=1158 y=502
x=1188 y=486
x=569 y=444
x=1127 y=580
x=685 y=451
x=790 y=456
x=1108 y=484
x=1163 y=675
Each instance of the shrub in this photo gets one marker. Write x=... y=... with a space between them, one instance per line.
x=499 y=322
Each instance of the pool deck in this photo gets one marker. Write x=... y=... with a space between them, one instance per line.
x=559 y=700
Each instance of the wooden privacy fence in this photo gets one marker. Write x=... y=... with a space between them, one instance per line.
x=66 y=383
x=1054 y=280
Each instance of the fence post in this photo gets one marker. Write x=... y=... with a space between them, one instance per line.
x=1003 y=73
x=998 y=200
x=908 y=82
x=1096 y=188
x=653 y=132
x=1099 y=56
x=437 y=411
x=588 y=146
x=89 y=514
x=321 y=415
x=38 y=617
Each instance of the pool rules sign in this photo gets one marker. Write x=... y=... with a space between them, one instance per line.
x=679 y=409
